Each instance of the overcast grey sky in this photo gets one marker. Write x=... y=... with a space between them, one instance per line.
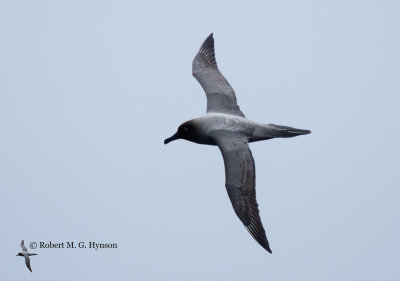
x=90 y=89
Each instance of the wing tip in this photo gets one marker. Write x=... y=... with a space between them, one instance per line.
x=208 y=43
x=265 y=245
x=207 y=49
x=259 y=236
x=268 y=249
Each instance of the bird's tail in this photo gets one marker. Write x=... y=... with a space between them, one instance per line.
x=287 y=132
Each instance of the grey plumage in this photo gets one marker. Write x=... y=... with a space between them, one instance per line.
x=220 y=96
x=225 y=125
x=26 y=255
x=24 y=249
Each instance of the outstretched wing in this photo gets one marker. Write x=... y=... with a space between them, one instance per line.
x=28 y=263
x=23 y=246
x=220 y=95
x=240 y=182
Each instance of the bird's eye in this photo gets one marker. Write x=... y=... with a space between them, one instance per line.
x=185 y=129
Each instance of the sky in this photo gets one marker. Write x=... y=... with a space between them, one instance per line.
x=90 y=89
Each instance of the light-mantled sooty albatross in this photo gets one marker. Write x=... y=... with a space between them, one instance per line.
x=225 y=125
x=26 y=255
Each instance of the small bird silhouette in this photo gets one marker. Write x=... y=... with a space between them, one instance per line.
x=25 y=254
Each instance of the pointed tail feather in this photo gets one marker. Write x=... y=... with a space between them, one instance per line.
x=288 y=132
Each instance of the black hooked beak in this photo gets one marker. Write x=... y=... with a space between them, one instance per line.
x=174 y=137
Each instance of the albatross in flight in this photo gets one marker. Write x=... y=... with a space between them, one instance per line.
x=25 y=254
x=225 y=126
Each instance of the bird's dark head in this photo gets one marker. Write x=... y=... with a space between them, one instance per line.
x=19 y=254
x=185 y=131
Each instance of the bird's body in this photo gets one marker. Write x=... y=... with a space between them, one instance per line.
x=225 y=126
x=26 y=255
x=254 y=131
